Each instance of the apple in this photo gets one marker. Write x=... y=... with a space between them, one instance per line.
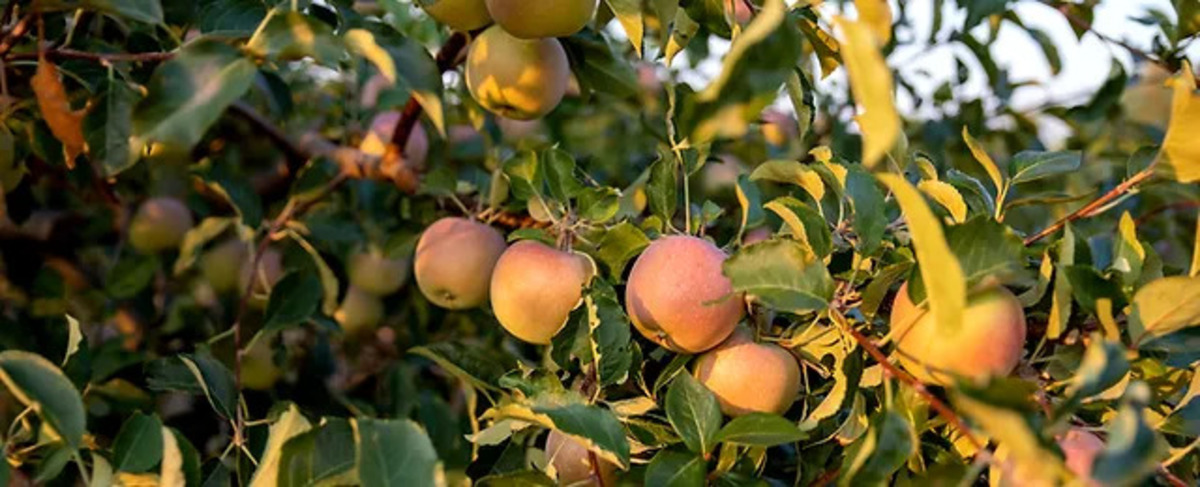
x=521 y=79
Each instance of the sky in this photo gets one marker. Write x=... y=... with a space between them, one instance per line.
x=1085 y=63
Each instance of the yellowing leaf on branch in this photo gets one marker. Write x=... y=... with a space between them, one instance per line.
x=945 y=286
x=946 y=196
x=871 y=83
x=878 y=16
x=66 y=124
x=1182 y=150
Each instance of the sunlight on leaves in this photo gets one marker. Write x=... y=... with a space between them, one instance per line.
x=1183 y=153
x=871 y=83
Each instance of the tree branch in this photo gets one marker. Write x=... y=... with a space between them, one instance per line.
x=101 y=57
x=18 y=30
x=1096 y=205
x=1082 y=23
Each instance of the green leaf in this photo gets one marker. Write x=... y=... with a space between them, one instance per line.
x=1164 y=306
x=609 y=329
x=405 y=63
x=694 y=412
x=791 y=172
x=629 y=14
x=190 y=92
x=1103 y=366
x=760 y=429
x=597 y=67
x=594 y=426
x=288 y=35
x=40 y=385
x=12 y=171
x=559 y=168
x=477 y=366
x=294 y=299
x=875 y=457
x=676 y=468
x=1132 y=451
x=598 y=205
x=783 y=274
x=109 y=125
x=980 y=9
x=524 y=175
x=195 y=239
x=1129 y=256
x=395 y=453
x=847 y=374
x=239 y=17
x=870 y=220
x=138 y=447
x=985 y=248
x=758 y=63
x=131 y=274
x=316 y=456
x=662 y=189
x=806 y=224
x=288 y=425
x=148 y=11
x=1003 y=409
x=1029 y=166
x=683 y=29
x=215 y=380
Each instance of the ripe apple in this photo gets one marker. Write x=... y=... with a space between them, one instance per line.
x=460 y=15
x=159 y=224
x=360 y=312
x=749 y=377
x=222 y=265
x=1080 y=448
x=375 y=143
x=535 y=287
x=521 y=79
x=573 y=464
x=533 y=19
x=372 y=272
x=454 y=262
x=989 y=341
x=678 y=298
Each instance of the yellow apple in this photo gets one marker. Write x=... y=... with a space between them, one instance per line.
x=534 y=19
x=521 y=79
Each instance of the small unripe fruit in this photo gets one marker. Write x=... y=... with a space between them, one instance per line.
x=535 y=287
x=416 y=150
x=517 y=78
x=259 y=371
x=160 y=224
x=1080 y=448
x=749 y=377
x=222 y=265
x=270 y=271
x=372 y=272
x=988 y=341
x=573 y=464
x=678 y=298
x=460 y=15
x=454 y=262
x=360 y=312
x=533 y=19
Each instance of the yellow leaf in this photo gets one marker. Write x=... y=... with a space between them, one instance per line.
x=1183 y=153
x=871 y=84
x=1196 y=253
x=290 y=423
x=926 y=168
x=363 y=42
x=1104 y=312
x=65 y=124
x=1060 y=300
x=947 y=196
x=793 y=222
x=822 y=154
x=171 y=470
x=823 y=44
x=945 y=286
x=878 y=16
x=984 y=160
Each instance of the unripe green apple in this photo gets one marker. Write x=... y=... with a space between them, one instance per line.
x=749 y=377
x=360 y=312
x=454 y=262
x=678 y=297
x=517 y=78
x=533 y=19
x=373 y=272
x=573 y=464
x=222 y=265
x=988 y=342
x=460 y=15
x=259 y=371
x=160 y=224
x=270 y=271
x=1080 y=448
x=535 y=287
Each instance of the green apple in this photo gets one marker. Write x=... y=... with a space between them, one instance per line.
x=460 y=15
x=517 y=78
x=159 y=224
x=534 y=19
x=373 y=272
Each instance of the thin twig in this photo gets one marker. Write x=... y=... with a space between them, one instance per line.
x=1085 y=25
x=937 y=404
x=102 y=57
x=1092 y=208
x=448 y=57
x=10 y=38
x=9 y=10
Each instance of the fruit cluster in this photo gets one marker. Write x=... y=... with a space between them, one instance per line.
x=516 y=68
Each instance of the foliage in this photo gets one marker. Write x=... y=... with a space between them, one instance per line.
x=231 y=358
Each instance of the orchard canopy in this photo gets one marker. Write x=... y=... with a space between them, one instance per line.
x=599 y=242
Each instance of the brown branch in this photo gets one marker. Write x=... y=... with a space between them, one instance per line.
x=826 y=478
x=9 y=10
x=1178 y=205
x=296 y=155
x=102 y=57
x=448 y=57
x=18 y=30
x=1082 y=23
x=1093 y=208
x=937 y=404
